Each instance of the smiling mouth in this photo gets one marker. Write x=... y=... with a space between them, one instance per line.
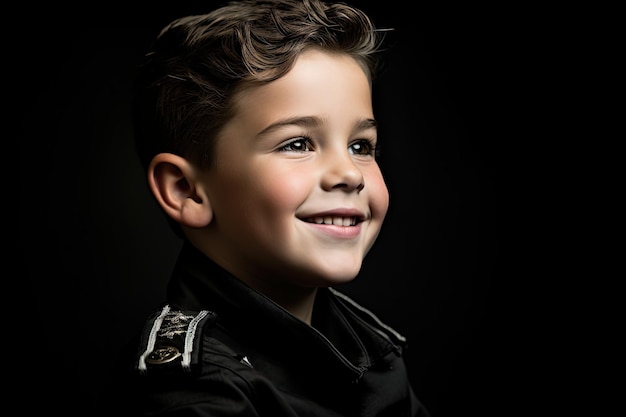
x=333 y=220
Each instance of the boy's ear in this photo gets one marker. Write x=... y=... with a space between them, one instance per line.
x=173 y=181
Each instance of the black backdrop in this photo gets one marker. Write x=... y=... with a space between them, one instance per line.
x=95 y=252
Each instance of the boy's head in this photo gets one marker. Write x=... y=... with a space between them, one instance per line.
x=255 y=125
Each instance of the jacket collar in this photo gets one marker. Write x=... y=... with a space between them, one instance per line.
x=343 y=335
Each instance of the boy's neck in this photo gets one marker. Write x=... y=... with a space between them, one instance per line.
x=301 y=307
x=298 y=301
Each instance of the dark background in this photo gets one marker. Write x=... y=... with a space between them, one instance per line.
x=450 y=270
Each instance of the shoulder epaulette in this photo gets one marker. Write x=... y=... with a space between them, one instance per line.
x=171 y=340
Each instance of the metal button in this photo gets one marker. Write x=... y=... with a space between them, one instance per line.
x=163 y=354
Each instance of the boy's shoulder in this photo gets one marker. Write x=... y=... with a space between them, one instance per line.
x=175 y=356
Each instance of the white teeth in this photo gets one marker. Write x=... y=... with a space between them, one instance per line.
x=337 y=221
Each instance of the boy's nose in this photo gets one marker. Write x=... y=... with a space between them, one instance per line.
x=342 y=173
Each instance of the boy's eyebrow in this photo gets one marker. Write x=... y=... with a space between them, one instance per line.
x=302 y=121
x=312 y=121
x=365 y=124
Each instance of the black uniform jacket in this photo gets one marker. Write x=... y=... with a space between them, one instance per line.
x=220 y=348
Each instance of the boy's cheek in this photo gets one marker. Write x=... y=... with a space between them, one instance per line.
x=378 y=196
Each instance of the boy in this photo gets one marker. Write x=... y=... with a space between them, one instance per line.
x=256 y=129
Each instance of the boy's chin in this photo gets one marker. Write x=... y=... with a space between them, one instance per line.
x=334 y=278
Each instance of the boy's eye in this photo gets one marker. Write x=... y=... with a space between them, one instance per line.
x=362 y=147
x=296 y=145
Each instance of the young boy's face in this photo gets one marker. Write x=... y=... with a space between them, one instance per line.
x=297 y=195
